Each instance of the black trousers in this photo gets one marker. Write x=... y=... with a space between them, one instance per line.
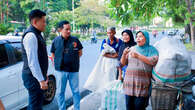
x=35 y=93
x=117 y=74
x=136 y=103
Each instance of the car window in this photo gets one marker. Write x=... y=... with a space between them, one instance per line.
x=17 y=51
x=10 y=53
x=3 y=56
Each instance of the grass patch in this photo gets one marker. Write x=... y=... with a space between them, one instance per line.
x=189 y=47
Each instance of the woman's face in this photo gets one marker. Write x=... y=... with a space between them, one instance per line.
x=140 y=39
x=126 y=37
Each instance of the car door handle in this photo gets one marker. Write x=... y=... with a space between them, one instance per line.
x=12 y=75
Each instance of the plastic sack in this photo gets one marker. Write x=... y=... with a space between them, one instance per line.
x=113 y=97
x=104 y=71
x=174 y=63
x=107 y=49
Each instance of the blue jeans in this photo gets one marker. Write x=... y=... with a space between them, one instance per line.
x=62 y=78
x=36 y=97
x=136 y=103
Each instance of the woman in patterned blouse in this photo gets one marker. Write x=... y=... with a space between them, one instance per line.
x=140 y=60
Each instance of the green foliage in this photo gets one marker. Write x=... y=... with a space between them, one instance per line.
x=10 y=29
x=15 y=11
x=85 y=36
x=101 y=34
x=58 y=5
x=47 y=32
x=76 y=35
x=126 y=11
x=88 y=14
x=189 y=47
x=4 y=29
x=27 y=6
x=93 y=14
x=56 y=17
x=52 y=36
x=61 y=5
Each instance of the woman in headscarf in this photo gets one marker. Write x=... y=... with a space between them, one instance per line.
x=140 y=60
x=128 y=41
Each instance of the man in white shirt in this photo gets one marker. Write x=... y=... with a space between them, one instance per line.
x=34 y=73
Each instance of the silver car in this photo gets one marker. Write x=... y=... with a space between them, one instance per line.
x=12 y=91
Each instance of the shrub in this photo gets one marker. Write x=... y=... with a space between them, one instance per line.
x=101 y=34
x=10 y=29
x=76 y=35
x=52 y=36
x=3 y=29
x=85 y=36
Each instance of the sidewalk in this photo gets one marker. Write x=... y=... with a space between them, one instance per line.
x=93 y=100
x=90 y=102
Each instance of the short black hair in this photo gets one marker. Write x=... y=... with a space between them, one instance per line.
x=62 y=23
x=37 y=13
x=112 y=29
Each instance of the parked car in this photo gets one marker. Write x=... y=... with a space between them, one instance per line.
x=13 y=93
x=172 y=32
x=10 y=34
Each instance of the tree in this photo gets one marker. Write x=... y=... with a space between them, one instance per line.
x=88 y=16
x=59 y=16
x=125 y=11
x=28 y=5
x=3 y=10
x=190 y=18
x=15 y=11
x=61 y=5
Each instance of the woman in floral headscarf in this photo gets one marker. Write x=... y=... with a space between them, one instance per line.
x=140 y=60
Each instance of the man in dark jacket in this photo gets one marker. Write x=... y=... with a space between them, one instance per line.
x=66 y=51
x=34 y=72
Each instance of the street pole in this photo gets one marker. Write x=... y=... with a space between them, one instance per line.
x=7 y=11
x=0 y=12
x=73 y=15
x=43 y=4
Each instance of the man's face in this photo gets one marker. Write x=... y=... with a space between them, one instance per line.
x=111 y=33
x=66 y=30
x=40 y=23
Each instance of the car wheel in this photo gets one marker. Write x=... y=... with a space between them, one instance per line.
x=49 y=94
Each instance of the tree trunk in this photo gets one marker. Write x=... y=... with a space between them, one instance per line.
x=187 y=30
x=7 y=10
x=192 y=29
x=189 y=6
x=2 y=12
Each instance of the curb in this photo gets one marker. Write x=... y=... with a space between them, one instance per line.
x=83 y=93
